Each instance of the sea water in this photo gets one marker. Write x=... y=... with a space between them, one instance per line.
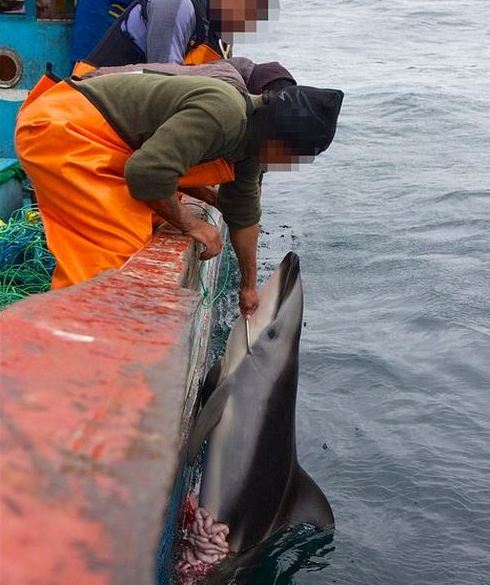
x=392 y=226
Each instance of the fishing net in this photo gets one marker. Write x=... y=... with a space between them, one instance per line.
x=26 y=265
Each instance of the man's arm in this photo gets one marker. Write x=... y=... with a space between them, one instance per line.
x=177 y=214
x=212 y=118
x=244 y=241
x=209 y=122
x=171 y=25
x=240 y=203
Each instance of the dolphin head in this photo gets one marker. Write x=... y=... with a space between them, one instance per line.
x=277 y=320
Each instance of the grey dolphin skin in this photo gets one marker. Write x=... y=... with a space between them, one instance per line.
x=252 y=480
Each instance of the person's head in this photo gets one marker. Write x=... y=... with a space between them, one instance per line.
x=294 y=125
x=269 y=77
x=238 y=15
x=261 y=77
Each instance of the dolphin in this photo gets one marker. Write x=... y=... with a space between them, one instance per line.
x=251 y=480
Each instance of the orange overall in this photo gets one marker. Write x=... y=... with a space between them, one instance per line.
x=76 y=161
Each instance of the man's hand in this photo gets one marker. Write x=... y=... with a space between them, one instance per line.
x=180 y=217
x=209 y=236
x=249 y=301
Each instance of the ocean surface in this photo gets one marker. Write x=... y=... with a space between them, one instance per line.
x=392 y=226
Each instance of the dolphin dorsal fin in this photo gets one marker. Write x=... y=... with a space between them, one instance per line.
x=207 y=419
x=308 y=504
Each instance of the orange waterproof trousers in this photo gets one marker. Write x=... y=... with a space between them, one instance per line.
x=76 y=161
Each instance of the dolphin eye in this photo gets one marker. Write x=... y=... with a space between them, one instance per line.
x=271 y=333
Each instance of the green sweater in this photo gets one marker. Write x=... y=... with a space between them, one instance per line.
x=173 y=123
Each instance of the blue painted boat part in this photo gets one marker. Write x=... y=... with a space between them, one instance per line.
x=27 y=44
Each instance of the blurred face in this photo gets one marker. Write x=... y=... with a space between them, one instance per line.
x=275 y=154
x=238 y=15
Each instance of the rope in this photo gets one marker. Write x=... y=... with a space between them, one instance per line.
x=206 y=298
x=26 y=265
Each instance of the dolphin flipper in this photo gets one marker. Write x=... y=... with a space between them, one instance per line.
x=210 y=383
x=308 y=504
x=207 y=419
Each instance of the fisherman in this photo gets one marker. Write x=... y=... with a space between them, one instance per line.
x=104 y=153
x=242 y=73
x=175 y=31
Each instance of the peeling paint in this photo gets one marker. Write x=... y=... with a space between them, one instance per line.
x=73 y=336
